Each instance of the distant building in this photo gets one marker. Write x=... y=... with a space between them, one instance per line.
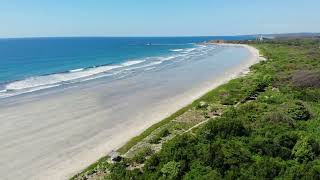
x=262 y=38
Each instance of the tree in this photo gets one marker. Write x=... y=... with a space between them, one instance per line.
x=170 y=170
x=306 y=149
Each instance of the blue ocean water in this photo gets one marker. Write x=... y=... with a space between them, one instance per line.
x=27 y=64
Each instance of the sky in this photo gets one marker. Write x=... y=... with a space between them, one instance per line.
x=43 y=18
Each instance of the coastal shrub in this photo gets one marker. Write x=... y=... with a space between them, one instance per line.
x=226 y=99
x=214 y=108
x=250 y=111
x=223 y=128
x=313 y=170
x=202 y=105
x=306 y=149
x=269 y=147
x=170 y=170
x=262 y=81
x=152 y=163
x=267 y=168
x=261 y=146
x=279 y=117
x=298 y=111
x=287 y=139
x=182 y=147
x=155 y=139
x=272 y=96
x=200 y=172
x=164 y=132
x=118 y=171
x=142 y=154
x=230 y=113
x=177 y=126
x=310 y=94
x=235 y=153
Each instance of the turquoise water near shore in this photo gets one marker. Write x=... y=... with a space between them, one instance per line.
x=32 y=64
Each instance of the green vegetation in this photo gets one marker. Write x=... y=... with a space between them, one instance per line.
x=147 y=132
x=98 y=168
x=269 y=126
x=157 y=138
x=141 y=155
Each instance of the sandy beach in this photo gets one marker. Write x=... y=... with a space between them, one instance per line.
x=56 y=133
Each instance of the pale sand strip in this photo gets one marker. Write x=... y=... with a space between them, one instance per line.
x=63 y=134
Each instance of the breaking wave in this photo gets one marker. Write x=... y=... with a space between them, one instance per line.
x=83 y=74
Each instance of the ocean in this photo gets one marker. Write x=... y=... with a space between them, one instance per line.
x=31 y=64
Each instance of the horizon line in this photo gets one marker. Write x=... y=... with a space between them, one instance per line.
x=155 y=36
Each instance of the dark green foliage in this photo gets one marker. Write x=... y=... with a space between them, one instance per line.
x=181 y=148
x=142 y=154
x=157 y=138
x=223 y=128
x=299 y=112
x=118 y=171
x=235 y=153
x=164 y=132
x=278 y=117
x=306 y=149
x=170 y=170
x=267 y=168
x=201 y=172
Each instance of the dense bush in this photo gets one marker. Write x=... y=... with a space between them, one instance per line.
x=306 y=149
x=142 y=154
x=223 y=128
x=299 y=112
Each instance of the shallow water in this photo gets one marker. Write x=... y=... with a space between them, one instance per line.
x=31 y=64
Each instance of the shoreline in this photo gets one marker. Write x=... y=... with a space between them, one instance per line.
x=91 y=103
x=241 y=70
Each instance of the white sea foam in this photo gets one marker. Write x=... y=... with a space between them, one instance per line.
x=57 y=78
x=168 y=58
x=189 y=50
x=176 y=50
x=130 y=63
x=72 y=75
x=76 y=70
x=81 y=74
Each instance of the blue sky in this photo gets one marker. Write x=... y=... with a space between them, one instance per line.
x=30 y=18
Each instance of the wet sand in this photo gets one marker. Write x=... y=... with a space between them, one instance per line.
x=55 y=133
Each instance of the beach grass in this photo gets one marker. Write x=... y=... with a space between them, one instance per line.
x=211 y=96
x=101 y=164
x=151 y=129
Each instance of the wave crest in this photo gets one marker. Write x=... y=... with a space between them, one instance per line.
x=84 y=74
x=69 y=76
